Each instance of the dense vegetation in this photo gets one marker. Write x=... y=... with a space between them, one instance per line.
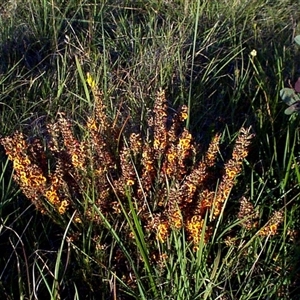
x=145 y=153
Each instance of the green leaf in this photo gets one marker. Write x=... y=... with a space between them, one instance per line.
x=289 y=96
x=297 y=39
x=293 y=108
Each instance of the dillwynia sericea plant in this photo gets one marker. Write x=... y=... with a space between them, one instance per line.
x=110 y=171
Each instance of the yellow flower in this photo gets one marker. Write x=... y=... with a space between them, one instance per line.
x=176 y=220
x=91 y=124
x=231 y=173
x=171 y=157
x=36 y=180
x=130 y=182
x=61 y=210
x=273 y=229
x=183 y=116
x=90 y=81
x=77 y=220
x=17 y=165
x=191 y=188
x=156 y=144
x=162 y=231
x=184 y=143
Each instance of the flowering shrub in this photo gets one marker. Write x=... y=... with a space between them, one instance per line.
x=94 y=177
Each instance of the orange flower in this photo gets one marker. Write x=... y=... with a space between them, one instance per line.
x=162 y=231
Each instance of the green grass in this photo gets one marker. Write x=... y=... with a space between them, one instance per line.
x=199 y=53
